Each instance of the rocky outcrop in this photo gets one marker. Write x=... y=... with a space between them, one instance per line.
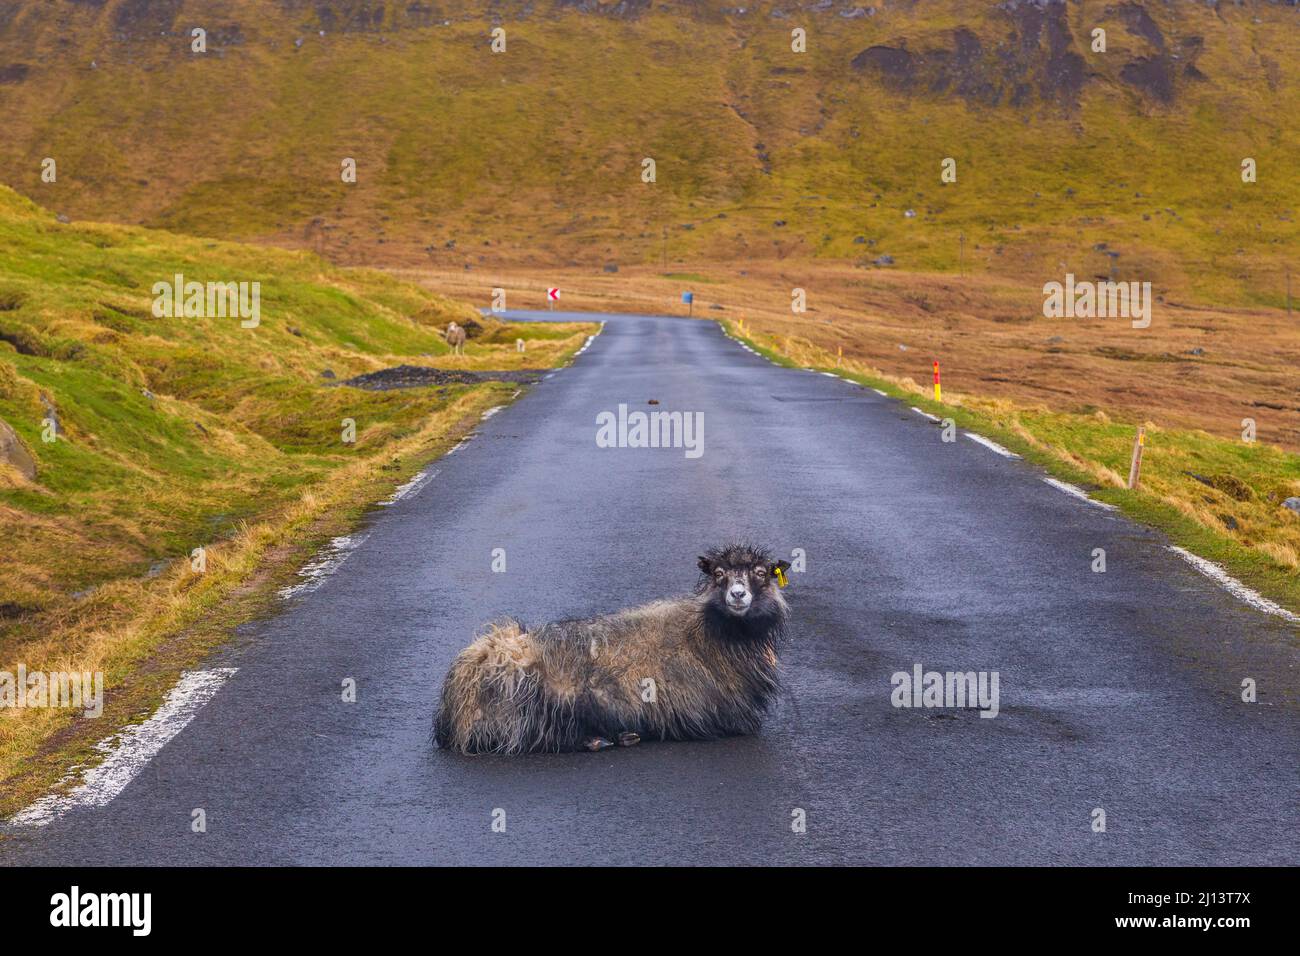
x=12 y=452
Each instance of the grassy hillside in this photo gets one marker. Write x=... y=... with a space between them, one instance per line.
x=180 y=433
x=173 y=432
x=468 y=158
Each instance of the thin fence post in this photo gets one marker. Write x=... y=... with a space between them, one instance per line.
x=1135 y=467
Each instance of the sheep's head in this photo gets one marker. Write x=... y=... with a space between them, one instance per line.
x=742 y=581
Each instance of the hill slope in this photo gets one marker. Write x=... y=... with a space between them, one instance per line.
x=171 y=432
x=465 y=158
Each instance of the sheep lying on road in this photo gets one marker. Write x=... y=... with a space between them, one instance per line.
x=686 y=669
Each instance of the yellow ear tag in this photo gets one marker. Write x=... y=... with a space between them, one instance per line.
x=780 y=576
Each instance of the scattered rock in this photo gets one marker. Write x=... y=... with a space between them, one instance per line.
x=611 y=266
x=293 y=330
x=13 y=453
x=328 y=373
x=1196 y=351
x=1293 y=504
x=653 y=401
x=1153 y=76
x=883 y=261
x=859 y=240
x=910 y=214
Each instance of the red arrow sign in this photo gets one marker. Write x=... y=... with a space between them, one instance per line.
x=553 y=294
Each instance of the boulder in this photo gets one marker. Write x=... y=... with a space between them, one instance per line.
x=13 y=453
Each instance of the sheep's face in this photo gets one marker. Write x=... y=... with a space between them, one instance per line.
x=741 y=580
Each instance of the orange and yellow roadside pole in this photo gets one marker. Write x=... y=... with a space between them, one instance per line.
x=938 y=393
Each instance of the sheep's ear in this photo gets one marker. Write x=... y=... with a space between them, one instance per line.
x=705 y=565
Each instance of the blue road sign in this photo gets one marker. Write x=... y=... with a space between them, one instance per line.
x=688 y=296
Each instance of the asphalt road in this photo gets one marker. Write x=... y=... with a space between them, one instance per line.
x=1118 y=690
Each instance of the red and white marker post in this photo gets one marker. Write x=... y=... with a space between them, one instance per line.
x=938 y=393
x=552 y=297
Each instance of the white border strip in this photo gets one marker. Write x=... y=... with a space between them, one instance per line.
x=410 y=488
x=991 y=445
x=129 y=751
x=1233 y=586
x=1077 y=492
x=326 y=561
x=932 y=418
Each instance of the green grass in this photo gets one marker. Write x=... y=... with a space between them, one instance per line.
x=175 y=430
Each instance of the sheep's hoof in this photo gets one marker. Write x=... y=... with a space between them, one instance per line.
x=628 y=738
x=598 y=743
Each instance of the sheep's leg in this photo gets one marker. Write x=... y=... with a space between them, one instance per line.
x=627 y=738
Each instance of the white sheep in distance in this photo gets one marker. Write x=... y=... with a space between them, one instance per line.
x=456 y=338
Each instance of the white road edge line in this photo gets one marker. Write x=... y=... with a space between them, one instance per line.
x=880 y=393
x=1079 y=493
x=932 y=418
x=131 y=750
x=324 y=563
x=991 y=445
x=410 y=488
x=1233 y=586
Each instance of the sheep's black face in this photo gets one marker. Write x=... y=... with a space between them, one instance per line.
x=741 y=581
